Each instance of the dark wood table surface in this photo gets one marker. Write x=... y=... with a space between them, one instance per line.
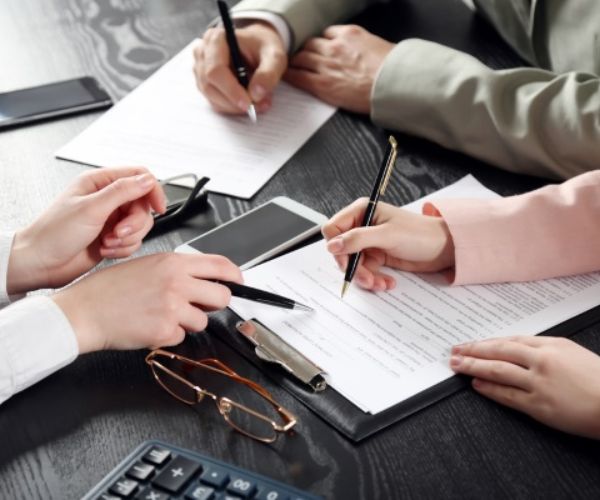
x=60 y=437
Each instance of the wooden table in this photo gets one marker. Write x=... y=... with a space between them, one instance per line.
x=60 y=437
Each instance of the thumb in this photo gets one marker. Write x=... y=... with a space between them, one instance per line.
x=121 y=191
x=359 y=239
x=268 y=73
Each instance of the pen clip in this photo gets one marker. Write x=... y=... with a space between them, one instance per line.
x=273 y=349
x=389 y=167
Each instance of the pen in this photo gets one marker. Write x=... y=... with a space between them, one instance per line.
x=236 y=57
x=381 y=183
x=262 y=296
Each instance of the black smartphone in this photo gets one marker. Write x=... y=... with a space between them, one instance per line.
x=33 y=104
x=260 y=233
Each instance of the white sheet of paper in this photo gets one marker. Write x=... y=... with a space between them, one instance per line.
x=166 y=125
x=380 y=349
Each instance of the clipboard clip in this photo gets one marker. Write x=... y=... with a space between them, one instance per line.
x=271 y=348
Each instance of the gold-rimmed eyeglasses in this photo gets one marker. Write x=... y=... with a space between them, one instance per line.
x=259 y=416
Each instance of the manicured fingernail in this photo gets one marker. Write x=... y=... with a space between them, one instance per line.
x=112 y=242
x=335 y=245
x=123 y=231
x=455 y=360
x=243 y=105
x=456 y=349
x=145 y=180
x=258 y=92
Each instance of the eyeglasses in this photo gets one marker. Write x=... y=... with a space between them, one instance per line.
x=259 y=416
x=184 y=202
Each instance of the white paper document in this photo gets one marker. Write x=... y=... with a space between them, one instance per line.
x=379 y=349
x=167 y=126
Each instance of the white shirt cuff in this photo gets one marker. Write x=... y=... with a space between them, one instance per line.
x=36 y=339
x=6 y=242
x=278 y=22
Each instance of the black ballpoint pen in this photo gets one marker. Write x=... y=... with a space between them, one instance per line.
x=381 y=183
x=262 y=296
x=240 y=68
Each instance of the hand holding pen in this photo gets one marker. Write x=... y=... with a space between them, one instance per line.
x=264 y=53
x=395 y=238
x=381 y=182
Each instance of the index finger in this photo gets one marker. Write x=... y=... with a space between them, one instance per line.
x=345 y=219
x=213 y=267
x=97 y=179
x=218 y=72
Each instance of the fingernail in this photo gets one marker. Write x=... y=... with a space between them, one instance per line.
x=362 y=281
x=112 y=242
x=258 y=92
x=456 y=360
x=335 y=245
x=145 y=180
x=477 y=383
x=109 y=252
x=123 y=231
x=243 y=105
x=456 y=349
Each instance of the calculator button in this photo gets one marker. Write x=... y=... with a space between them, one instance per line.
x=241 y=486
x=176 y=474
x=215 y=476
x=157 y=456
x=200 y=492
x=124 y=488
x=270 y=494
x=140 y=471
x=108 y=496
x=226 y=496
x=152 y=494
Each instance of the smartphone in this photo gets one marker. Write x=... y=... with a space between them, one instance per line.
x=20 y=107
x=260 y=233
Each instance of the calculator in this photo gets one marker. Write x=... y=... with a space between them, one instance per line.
x=159 y=471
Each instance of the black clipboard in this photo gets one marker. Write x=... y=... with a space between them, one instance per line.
x=340 y=413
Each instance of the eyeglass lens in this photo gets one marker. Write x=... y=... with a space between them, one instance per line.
x=242 y=406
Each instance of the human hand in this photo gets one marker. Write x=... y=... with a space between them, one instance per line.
x=340 y=68
x=398 y=238
x=146 y=302
x=104 y=213
x=264 y=53
x=554 y=380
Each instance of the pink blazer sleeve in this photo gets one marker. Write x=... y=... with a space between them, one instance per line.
x=553 y=231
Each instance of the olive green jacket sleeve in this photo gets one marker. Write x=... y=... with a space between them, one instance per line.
x=539 y=121
x=307 y=18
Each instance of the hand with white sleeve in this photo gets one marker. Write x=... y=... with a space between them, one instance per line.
x=105 y=213
x=149 y=301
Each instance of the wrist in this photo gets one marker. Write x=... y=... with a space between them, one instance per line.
x=443 y=236
x=73 y=306
x=24 y=271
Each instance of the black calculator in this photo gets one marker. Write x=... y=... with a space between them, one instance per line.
x=160 y=471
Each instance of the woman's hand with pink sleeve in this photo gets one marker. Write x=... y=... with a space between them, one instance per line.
x=553 y=380
x=397 y=238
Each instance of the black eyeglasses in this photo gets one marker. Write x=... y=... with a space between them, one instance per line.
x=183 y=202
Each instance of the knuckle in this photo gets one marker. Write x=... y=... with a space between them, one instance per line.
x=215 y=72
x=352 y=30
x=223 y=298
x=170 y=303
x=220 y=262
x=201 y=323
x=497 y=370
